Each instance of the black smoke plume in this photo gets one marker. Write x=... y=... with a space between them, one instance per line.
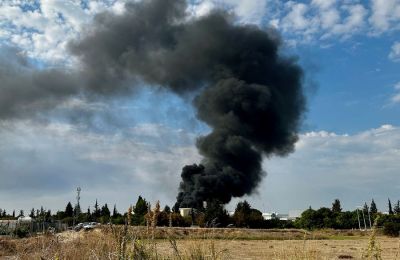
x=247 y=92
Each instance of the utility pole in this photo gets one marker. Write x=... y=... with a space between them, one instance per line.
x=78 y=197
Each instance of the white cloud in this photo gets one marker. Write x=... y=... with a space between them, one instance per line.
x=322 y=20
x=385 y=15
x=323 y=4
x=396 y=98
x=52 y=159
x=394 y=54
x=296 y=18
x=43 y=33
x=352 y=23
x=314 y=21
x=46 y=163
x=328 y=13
x=249 y=11
x=354 y=168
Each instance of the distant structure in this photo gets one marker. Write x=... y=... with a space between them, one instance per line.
x=275 y=215
x=293 y=215
x=23 y=219
x=185 y=212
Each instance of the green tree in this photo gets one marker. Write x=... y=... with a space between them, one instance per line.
x=373 y=209
x=347 y=220
x=96 y=212
x=390 y=207
x=69 y=210
x=336 y=207
x=167 y=209
x=140 y=211
x=42 y=211
x=255 y=219
x=115 y=211
x=307 y=219
x=105 y=212
x=88 y=215
x=242 y=214
x=365 y=209
x=32 y=214
x=396 y=209
x=215 y=214
x=47 y=215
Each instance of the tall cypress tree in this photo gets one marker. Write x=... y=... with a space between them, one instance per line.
x=115 y=211
x=390 y=207
x=32 y=214
x=88 y=214
x=96 y=212
x=69 y=210
x=365 y=208
x=373 y=209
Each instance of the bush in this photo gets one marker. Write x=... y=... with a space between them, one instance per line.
x=391 y=229
x=4 y=230
x=21 y=232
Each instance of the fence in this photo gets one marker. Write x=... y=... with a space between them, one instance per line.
x=10 y=227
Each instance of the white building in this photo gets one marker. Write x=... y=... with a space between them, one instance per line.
x=185 y=212
x=23 y=219
x=293 y=214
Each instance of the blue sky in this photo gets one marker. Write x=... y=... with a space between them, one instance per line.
x=123 y=147
x=355 y=82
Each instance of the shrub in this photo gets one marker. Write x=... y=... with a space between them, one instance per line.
x=391 y=229
x=22 y=231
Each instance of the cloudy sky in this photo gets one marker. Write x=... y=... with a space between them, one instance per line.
x=136 y=144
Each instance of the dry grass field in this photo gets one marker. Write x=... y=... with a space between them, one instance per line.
x=181 y=243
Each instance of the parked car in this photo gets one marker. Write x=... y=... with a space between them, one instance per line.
x=89 y=225
x=78 y=227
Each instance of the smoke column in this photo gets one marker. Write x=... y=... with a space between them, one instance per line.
x=250 y=95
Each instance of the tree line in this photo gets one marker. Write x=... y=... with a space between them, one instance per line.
x=215 y=215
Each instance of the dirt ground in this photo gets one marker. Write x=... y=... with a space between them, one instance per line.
x=289 y=249
x=180 y=243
